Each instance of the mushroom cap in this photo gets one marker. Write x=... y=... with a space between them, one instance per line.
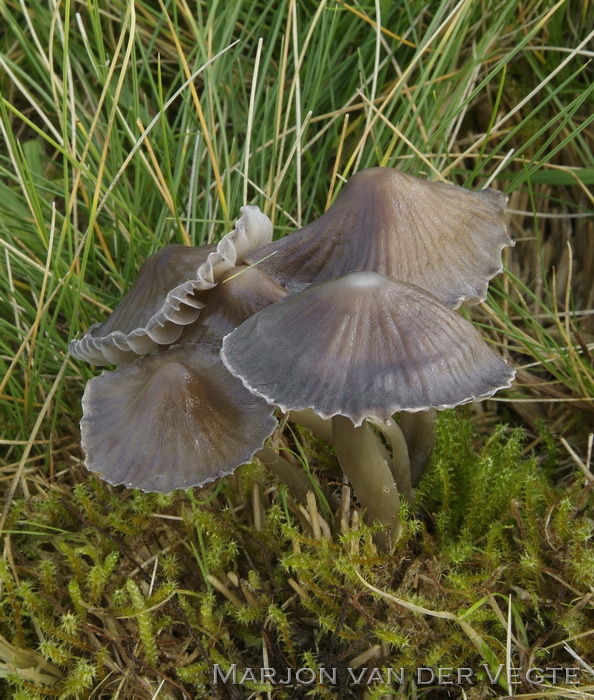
x=127 y=331
x=241 y=292
x=173 y=420
x=443 y=238
x=363 y=346
x=163 y=300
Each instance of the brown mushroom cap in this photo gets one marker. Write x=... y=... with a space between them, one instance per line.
x=173 y=420
x=363 y=346
x=443 y=238
x=241 y=292
x=163 y=300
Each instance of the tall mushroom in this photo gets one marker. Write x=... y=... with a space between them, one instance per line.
x=443 y=238
x=363 y=346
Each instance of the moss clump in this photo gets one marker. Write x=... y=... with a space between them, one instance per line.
x=102 y=578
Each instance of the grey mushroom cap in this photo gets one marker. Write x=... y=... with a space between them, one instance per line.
x=241 y=292
x=363 y=346
x=172 y=420
x=163 y=298
x=443 y=238
x=127 y=331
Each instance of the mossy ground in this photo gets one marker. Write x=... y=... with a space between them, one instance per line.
x=109 y=593
x=125 y=592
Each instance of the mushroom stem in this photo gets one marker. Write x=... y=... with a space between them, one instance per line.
x=320 y=427
x=419 y=430
x=295 y=478
x=362 y=461
x=400 y=463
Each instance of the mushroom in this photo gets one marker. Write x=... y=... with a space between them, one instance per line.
x=445 y=239
x=163 y=300
x=363 y=346
x=178 y=418
x=367 y=330
x=172 y=420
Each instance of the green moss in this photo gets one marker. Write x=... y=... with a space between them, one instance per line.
x=487 y=520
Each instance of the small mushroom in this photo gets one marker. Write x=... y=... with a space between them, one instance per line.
x=363 y=346
x=163 y=300
x=172 y=420
x=443 y=238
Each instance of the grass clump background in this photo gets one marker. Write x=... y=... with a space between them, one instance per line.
x=128 y=126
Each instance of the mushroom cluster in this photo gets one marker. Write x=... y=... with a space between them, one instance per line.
x=342 y=325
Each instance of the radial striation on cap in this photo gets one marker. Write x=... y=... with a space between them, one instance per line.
x=363 y=346
x=173 y=420
x=163 y=299
x=443 y=238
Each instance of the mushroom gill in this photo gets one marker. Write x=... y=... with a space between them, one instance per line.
x=241 y=292
x=163 y=300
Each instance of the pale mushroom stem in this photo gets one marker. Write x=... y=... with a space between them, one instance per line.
x=419 y=430
x=400 y=462
x=363 y=463
x=411 y=442
x=320 y=427
x=294 y=477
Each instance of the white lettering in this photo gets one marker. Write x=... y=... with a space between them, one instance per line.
x=375 y=675
x=534 y=675
x=357 y=679
x=571 y=675
x=420 y=671
x=393 y=676
x=466 y=674
x=324 y=673
x=512 y=675
x=267 y=675
x=556 y=671
x=493 y=679
x=312 y=677
x=231 y=672
x=248 y=675
x=289 y=676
